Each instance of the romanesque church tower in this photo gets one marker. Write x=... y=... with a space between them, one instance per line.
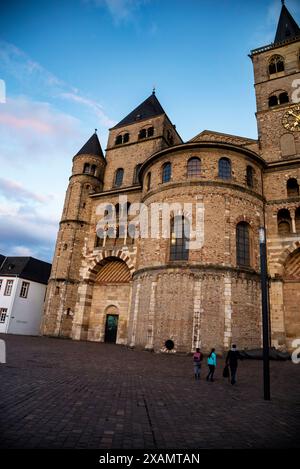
x=277 y=87
x=86 y=179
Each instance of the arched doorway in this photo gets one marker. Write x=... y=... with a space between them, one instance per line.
x=111 y=324
x=291 y=295
x=110 y=301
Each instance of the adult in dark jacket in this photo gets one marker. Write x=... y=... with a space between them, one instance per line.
x=232 y=360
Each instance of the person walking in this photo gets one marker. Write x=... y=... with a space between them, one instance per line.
x=212 y=363
x=232 y=360
x=197 y=357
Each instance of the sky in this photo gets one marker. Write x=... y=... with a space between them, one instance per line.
x=71 y=66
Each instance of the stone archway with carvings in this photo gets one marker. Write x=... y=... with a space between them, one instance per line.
x=106 y=276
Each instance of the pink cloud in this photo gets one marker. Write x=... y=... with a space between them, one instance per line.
x=21 y=123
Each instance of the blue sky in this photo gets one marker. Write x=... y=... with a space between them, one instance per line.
x=71 y=66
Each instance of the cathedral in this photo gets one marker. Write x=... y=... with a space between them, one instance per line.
x=125 y=283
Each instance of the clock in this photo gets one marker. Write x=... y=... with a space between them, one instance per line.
x=291 y=119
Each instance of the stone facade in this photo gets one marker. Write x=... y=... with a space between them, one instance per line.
x=211 y=296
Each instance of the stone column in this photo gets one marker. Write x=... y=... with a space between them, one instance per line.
x=82 y=309
x=228 y=312
x=196 y=337
x=135 y=315
x=292 y=213
x=151 y=317
x=277 y=313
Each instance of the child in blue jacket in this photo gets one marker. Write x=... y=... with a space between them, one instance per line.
x=212 y=363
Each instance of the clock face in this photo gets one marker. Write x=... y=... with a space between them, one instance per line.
x=291 y=119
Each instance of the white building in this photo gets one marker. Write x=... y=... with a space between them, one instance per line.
x=23 y=282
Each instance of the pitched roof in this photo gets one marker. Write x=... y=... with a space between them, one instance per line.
x=27 y=268
x=1 y=259
x=151 y=107
x=91 y=147
x=210 y=135
x=287 y=27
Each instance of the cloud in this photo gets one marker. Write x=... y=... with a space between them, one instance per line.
x=32 y=75
x=96 y=107
x=15 y=191
x=36 y=131
x=24 y=231
x=120 y=10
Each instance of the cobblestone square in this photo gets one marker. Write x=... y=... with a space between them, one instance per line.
x=64 y=394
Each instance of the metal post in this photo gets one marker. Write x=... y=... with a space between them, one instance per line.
x=265 y=311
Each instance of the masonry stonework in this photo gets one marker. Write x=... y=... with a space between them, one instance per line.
x=136 y=291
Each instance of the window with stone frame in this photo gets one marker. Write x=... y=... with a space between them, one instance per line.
x=179 y=237
x=224 y=168
x=136 y=174
x=243 y=244
x=86 y=168
x=194 y=167
x=284 y=222
x=146 y=133
x=148 y=181
x=119 y=177
x=166 y=172
x=8 y=287
x=250 y=176
x=292 y=187
x=276 y=64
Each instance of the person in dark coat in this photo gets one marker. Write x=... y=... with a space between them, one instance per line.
x=232 y=360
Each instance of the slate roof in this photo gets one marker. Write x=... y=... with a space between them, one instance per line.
x=151 y=107
x=91 y=147
x=287 y=27
x=27 y=268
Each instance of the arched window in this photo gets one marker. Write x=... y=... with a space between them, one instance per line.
x=119 y=177
x=292 y=187
x=249 y=176
x=283 y=222
x=136 y=174
x=150 y=131
x=148 y=181
x=283 y=98
x=243 y=244
x=194 y=167
x=276 y=64
x=166 y=172
x=86 y=168
x=146 y=133
x=224 y=168
x=119 y=140
x=273 y=100
x=142 y=134
x=123 y=138
x=179 y=236
x=93 y=169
